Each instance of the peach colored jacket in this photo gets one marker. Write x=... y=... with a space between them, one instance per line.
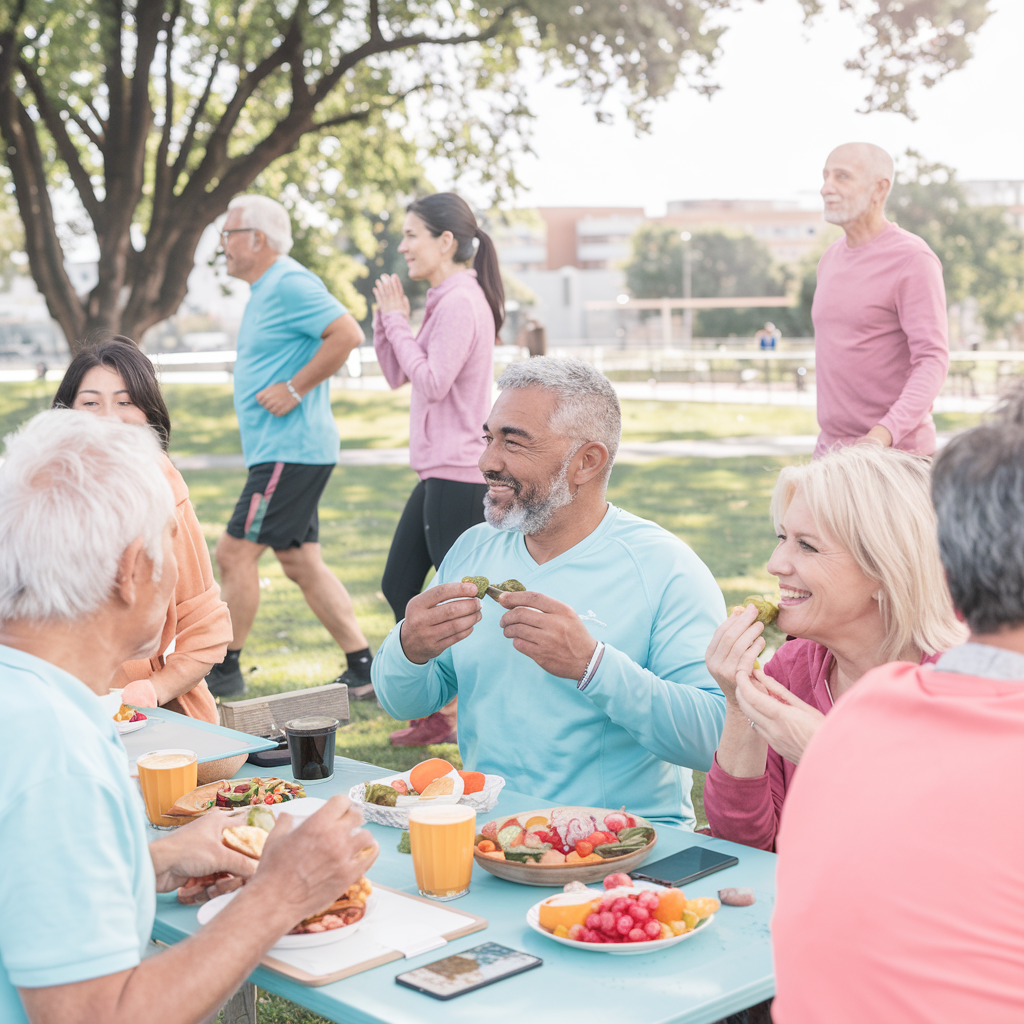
x=198 y=621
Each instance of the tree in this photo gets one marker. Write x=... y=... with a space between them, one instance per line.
x=981 y=250
x=153 y=114
x=730 y=263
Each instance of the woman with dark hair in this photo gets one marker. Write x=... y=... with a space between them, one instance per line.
x=450 y=363
x=116 y=379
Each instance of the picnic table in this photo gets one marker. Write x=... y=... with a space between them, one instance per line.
x=701 y=980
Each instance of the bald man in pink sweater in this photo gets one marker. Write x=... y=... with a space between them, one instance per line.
x=879 y=312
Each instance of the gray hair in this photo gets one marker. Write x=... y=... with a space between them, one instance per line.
x=266 y=215
x=75 y=490
x=588 y=408
x=978 y=491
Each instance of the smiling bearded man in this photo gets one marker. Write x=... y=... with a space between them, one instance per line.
x=590 y=686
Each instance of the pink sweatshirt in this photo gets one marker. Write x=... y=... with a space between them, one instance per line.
x=451 y=365
x=747 y=810
x=900 y=874
x=880 y=340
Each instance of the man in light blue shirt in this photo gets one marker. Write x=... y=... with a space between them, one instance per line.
x=590 y=687
x=293 y=337
x=87 y=570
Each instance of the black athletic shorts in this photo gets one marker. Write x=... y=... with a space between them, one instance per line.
x=278 y=505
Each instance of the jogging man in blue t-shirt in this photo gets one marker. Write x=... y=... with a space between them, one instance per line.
x=293 y=337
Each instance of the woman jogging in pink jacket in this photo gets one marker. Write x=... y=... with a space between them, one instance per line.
x=450 y=363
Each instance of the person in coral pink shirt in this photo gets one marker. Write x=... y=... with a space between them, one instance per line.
x=879 y=312
x=861 y=583
x=901 y=854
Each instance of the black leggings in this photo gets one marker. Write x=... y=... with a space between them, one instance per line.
x=437 y=513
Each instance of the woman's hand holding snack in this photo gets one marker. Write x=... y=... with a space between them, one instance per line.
x=734 y=647
x=783 y=720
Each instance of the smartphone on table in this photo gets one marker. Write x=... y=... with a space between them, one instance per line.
x=685 y=866
x=467 y=971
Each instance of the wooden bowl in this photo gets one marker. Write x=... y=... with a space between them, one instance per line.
x=557 y=875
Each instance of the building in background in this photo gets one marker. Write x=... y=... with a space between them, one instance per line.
x=1009 y=194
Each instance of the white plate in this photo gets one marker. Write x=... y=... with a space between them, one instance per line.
x=299 y=809
x=126 y=727
x=208 y=911
x=621 y=948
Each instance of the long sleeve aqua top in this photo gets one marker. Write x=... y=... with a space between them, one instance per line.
x=651 y=713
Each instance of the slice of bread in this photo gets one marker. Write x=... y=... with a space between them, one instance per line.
x=247 y=839
x=439 y=787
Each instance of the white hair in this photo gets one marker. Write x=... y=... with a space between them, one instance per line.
x=588 y=408
x=75 y=490
x=266 y=215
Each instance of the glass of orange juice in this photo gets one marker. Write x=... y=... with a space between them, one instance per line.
x=442 y=849
x=164 y=776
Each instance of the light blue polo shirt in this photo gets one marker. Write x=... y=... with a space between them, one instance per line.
x=288 y=310
x=77 y=890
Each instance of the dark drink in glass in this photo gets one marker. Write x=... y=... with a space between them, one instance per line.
x=311 y=745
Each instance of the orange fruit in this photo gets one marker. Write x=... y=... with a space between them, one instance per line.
x=474 y=781
x=426 y=771
x=671 y=904
x=553 y=913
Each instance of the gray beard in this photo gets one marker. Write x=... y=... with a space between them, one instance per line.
x=531 y=514
x=849 y=211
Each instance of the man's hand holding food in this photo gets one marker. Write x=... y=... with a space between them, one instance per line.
x=437 y=619
x=548 y=631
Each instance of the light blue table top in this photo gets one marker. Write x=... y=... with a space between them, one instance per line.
x=699 y=981
x=168 y=730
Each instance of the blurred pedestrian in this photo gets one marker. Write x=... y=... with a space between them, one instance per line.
x=450 y=363
x=294 y=336
x=879 y=311
x=768 y=337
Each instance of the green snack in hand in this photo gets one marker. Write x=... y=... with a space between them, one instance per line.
x=480 y=582
x=512 y=586
x=380 y=794
x=404 y=845
x=260 y=817
x=767 y=611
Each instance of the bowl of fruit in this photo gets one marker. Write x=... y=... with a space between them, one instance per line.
x=387 y=801
x=626 y=917
x=556 y=845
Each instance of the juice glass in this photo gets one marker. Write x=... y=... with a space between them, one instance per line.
x=164 y=776
x=442 y=849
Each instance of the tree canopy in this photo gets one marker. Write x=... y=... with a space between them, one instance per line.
x=136 y=121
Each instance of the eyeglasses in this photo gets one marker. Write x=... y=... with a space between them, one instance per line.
x=233 y=231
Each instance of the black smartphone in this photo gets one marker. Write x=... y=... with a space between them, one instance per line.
x=467 y=971
x=685 y=866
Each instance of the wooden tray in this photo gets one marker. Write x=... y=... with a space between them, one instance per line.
x=473 y=924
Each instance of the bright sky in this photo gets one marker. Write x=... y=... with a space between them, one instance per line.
x=786 y=101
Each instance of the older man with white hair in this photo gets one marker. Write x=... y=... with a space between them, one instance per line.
x=293 y=337
x=880 y=329
x=87 y=570
x=590 y=687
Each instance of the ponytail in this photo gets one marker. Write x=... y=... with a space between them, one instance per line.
x=445 y=211
x=488 y=273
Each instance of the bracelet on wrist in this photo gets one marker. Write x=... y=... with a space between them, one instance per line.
x=592 y=666
x=292 y=391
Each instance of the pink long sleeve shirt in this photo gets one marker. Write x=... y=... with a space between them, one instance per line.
x=747 y=811
x=450 y=363
x=880 y=340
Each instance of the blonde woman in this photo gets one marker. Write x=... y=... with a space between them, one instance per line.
x=861 y=584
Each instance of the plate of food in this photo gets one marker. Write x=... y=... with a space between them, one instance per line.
x=231 y=794
x=626 y=917
x=387 y=801
x=129 y=719
x=341 y=919
x=555 y=845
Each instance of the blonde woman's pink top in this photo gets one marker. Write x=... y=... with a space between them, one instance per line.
x=748 y=811
x=450 y=363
